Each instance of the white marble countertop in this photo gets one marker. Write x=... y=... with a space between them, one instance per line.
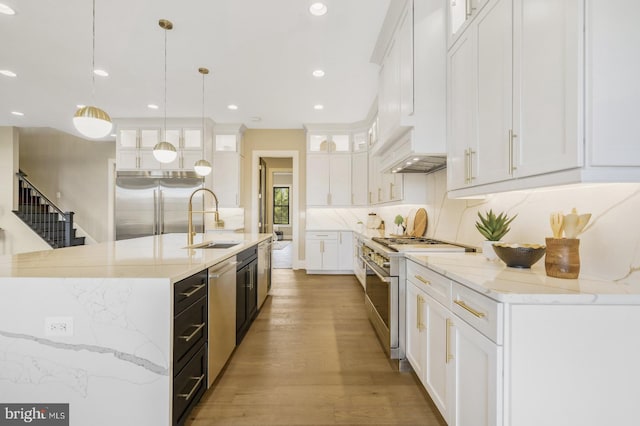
x=162 y=256
x=513 y=285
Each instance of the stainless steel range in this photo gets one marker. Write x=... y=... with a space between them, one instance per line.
x=385 y=286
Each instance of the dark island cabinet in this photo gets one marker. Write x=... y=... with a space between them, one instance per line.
x=246 y=291
x=189 y=344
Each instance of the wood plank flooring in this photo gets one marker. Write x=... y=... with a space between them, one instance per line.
x=312 y=358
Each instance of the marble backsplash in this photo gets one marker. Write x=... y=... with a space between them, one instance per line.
x=609 y=245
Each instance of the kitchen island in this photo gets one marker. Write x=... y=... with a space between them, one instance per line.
x=93 y=326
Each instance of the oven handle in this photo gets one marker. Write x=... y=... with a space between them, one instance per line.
x=382 y=277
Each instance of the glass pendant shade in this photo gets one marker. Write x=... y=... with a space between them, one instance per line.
x=92 y=122
x=165 y=152
x=202 y=167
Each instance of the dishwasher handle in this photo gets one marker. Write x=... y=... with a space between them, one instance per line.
x=217 y=273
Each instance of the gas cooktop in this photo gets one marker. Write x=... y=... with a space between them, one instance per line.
x=420 y=244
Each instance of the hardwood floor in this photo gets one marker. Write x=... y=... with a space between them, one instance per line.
x=312 y=358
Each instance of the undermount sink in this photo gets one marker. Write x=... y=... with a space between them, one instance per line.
x=216 y=245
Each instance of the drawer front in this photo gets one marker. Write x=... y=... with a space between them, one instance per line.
x=482 y=313
x=189 y=385
x=322 y=235
x=189 y=290
x=189 y=333
x=434 y=284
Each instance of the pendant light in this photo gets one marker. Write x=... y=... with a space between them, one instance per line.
x=91 y=121
x=202 y=167
x=164 y=151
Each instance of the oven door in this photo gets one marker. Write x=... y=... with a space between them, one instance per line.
x=381 y=301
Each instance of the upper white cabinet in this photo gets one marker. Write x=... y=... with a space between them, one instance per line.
x=328 y=180
x=461 y=12
x=412 y=84
x=325 y=143
x=135 y=142
x=538 y=97
x=226 y=167
x=359 y=175
x=395 y=90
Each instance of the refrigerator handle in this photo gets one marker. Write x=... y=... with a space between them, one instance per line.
x=155 y=211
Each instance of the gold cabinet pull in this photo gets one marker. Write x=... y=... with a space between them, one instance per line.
x=471 y=177
x=188 y=395
x=419 y=303
x=193 y=291
x=422 y=279
x=448 y=354
x=466 y=166
x=469 y=309
x=197 y=329
x=512 y=166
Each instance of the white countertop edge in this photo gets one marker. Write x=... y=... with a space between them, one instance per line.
x=524 y=286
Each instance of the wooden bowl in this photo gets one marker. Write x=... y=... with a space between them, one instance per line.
x=519 y=255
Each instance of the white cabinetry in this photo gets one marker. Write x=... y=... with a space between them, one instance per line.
x=359 y=181
x=522 y=75
x=226 y=167
x=329 y=252
x=135 y=142
x=459 y=366
x=328 y=179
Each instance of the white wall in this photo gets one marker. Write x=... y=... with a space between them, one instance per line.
x=15 y=236
x=57 y=162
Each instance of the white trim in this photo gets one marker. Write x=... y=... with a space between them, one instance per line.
x=111 y=207
x=255 y=157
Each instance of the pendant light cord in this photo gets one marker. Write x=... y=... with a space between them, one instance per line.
x=93 y=55
x=165 y=83
x=203 y=156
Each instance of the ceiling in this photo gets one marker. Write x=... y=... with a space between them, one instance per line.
x=260 y=53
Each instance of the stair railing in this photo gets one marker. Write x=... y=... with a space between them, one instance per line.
x=41 y=212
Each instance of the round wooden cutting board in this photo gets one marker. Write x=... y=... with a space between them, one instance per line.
x=420 y=223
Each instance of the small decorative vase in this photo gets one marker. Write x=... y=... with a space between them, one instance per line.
x=562 y=259
x=487 y=250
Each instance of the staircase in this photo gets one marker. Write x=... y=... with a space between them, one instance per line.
x=47 y=220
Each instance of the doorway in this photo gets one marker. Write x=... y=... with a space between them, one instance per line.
x=276 y=213
x=275 y=203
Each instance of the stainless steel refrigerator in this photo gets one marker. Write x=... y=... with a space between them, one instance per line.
x=154 y=203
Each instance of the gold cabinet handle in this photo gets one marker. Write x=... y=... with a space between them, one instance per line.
x=512 y=166
x=469 y=309
x=188 y=396
x=193 y=291
x=198 y=327
x=471 y=177
x=466 y=166
x=422 y=279
x=419 y=303
x=448 y=354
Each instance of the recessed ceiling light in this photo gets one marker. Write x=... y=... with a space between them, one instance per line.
x=318 y=73
x=80 y=106
x=318 y=107
x=255 y=118
x=416 y=159
x=152 y=106
x=318 y=9
x=18 y=113
x=6 y=10
x=232 y=107
x=101 y=73
x=408 y=163
x=8 y=73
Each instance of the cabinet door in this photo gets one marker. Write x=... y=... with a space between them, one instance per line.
x=405 y=78
x=318 y=190
x=359 y=179
x=375 y=177
x=226 y=178
x=127 y=159
x=339 y=180
x=461 y=118
x=546 y=75
x=313 y=254
x=474 y=372
x=330 y=255
x=494 y=101
x=252 y=291
x=189 y=159
x=149 y=162
x=435 y=371
x=345 y=251
x=241 y=302
x=416 y=330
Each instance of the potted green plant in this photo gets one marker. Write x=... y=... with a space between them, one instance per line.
x=492 y=227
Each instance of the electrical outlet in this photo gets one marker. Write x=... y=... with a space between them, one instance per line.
x=58 y=326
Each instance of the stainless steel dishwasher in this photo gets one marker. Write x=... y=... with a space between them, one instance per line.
x=222 y=316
